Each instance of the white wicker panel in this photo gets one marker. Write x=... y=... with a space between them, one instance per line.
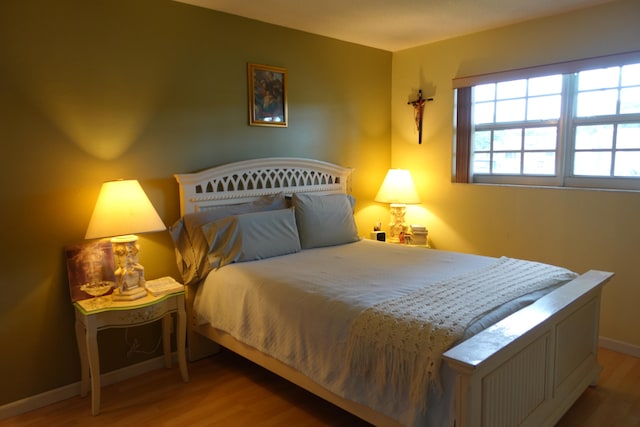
x=271 y=178
x=512 y=392
x=242 y=181
x=268 y=180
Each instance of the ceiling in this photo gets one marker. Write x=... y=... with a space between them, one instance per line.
x=393 y=25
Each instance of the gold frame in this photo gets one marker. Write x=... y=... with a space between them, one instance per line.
x=260 y=88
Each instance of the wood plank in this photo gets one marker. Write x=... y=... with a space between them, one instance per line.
x=228 y=390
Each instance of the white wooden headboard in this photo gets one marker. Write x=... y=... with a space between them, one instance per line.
x=250 y=179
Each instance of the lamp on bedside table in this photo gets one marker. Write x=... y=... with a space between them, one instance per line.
x=122 y=209
x=398 y=190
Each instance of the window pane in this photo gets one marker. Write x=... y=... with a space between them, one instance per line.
x=481 y=163
x=594 y=137
x=597 y=103
x=545 y=85
x=540 y=138
x=510 y=111
x=483 y=113
x=540 y=163
x=576 y=129
x=592 y=163
x=510 y=139
x=506 y=163
x=544 y=107
x=630 y=100
x=484 y=92
x=628 y=136
x=627 y=163
x=512 y=89
x=630 y=75
x=598 y=79
x=482 y=141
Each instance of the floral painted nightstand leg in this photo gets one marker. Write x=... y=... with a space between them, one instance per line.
x=81 y=338
x=181 y=324
x=87 y=338
x=166 y=335
x=94 y=366
x=181 y=339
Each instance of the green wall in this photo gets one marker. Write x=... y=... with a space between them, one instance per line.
x=579 y=229
x=104 y=89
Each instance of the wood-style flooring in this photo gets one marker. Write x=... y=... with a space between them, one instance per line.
x=226 y=390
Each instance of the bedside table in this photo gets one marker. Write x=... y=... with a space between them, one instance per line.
x=119 y=314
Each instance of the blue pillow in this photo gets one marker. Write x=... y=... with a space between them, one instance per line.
x=324 y=220
x=251 y=236
x=190 y=244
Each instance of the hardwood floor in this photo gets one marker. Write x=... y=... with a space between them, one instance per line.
x=615 y=401
x=226 y=390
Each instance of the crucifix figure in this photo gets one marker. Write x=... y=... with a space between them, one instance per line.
x=418 y=111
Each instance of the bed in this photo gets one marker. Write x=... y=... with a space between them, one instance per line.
x=282 y=278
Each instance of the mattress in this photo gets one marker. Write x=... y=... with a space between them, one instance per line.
x=299 y=308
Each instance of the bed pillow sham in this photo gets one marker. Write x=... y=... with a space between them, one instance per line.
x=324 y=220
x=251 y=236
x=190 y=244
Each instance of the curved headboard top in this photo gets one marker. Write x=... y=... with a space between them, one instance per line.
x=248 y=180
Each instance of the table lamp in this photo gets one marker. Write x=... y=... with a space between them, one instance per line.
x=122 y=209
x=398 y=190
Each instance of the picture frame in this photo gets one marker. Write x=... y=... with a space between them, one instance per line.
x=267 y=95
x=89 y=262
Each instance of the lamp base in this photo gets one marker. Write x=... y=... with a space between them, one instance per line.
x=130 y=295
x=129 y=272
x=397 y=226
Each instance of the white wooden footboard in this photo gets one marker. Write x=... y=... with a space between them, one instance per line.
x=530 y=368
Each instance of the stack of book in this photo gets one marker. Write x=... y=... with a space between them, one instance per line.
x=419 y=235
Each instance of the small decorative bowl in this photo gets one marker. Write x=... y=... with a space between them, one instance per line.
x=96 y=290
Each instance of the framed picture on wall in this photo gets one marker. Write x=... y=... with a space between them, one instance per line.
x=90 y=265
x=267 y=95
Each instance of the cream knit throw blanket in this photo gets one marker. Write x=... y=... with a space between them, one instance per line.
x=400 y=342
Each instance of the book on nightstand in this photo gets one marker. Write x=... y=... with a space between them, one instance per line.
x=419 y=235
x=163 y=286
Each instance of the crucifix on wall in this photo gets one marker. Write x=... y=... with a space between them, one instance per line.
x=418 y=112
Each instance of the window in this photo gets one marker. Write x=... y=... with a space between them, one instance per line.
x=572 y=124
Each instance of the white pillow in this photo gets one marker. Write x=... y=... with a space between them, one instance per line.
x=251 y=236
x=324 y=220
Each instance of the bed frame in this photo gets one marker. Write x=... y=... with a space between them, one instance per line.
x=528 y=369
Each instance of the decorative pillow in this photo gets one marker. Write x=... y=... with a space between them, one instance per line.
x=324 y=220
x=190 y=243
x=251 y=237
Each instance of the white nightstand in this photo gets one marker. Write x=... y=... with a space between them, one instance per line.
x=120 y=314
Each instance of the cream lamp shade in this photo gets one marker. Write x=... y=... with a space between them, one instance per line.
x=123 y=209
x=398 y=190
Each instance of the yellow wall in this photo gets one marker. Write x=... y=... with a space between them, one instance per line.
x=105 y=89
x=579 y=229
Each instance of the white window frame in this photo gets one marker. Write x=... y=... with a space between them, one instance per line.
x=566 y=125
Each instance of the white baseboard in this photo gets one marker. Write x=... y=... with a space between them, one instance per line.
x=620 y=346
x=52 y=396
